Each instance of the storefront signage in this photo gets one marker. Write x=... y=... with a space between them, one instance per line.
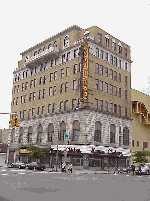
x=24 y=151
x=85 y=72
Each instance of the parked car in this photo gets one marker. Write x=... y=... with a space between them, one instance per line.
x=145 y=168
x=123 y=169
x=18 y=164
x=35 y=166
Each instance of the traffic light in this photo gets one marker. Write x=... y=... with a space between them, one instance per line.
x=67 y=142
x=12 y=122
x=16 y=122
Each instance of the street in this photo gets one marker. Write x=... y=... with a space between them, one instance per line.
x=21 y=185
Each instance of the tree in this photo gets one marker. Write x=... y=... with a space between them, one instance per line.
x=35 y=152
x=140 y=156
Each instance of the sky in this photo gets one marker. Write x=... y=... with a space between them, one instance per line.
x=24 y=24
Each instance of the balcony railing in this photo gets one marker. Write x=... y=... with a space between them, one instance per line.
x=43 y=56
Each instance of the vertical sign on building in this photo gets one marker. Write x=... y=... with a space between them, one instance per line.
x=84 y=72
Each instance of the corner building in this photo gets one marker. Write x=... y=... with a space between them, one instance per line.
x=88 y=96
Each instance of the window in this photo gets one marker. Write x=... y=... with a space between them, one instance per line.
x=115 y=108
x=66 y=105
x=101 y=85
x=44 y=81
x=42 y=109
x=115 y=61
x=119 y=49
x=113 y=45
x=55 y=44
x=41 y=68
x=99 y=38
x=106 y=56
x=61 y=88
x=29 y=113
x=145 y=144
x=119 y=63
x=96 y=103
x=39 y=94
x=119 y=92
x=26 y=85
x=132 y=143
x=101 y=105
x=101 y=54
x=111 y=73
x=97 y=52
x=49 y=108
x=119 y=78
x=14 y=101
x=38 y=111
x=96 y=84
x=106 y=87
x=20 y=114
x=24 y=113
x=74 y=84
x=51 y=77
x=106 y=72
x=40 y=82
x=44 y=93
x=15 y=89
x=56 y=61
x=35 y=70
x=50 y=91
x=101 y=70
x=125 y=94
x=39 y=51
x=25 y=98
x=67 y=71
x=61 y=106
x=106 y=106
x=53 y=107
x=66 y=41
x=111 y=59
x=111 y=89
x=68 y=56
x=115 y=91
x=18 y=89
x=119 y=110
x=115 y=75
x=126 y=66
x=21 y=100
x=125 y=52
x=30 y=97
x=63 y=58
x=49 y=46
x=52 y=63
x=22 y=86
x=66 y=86
x=75 y=69
x=97 y=68
x=76 y=134
x=34 y=93
x=73 y=104
x=126 y=80
x=62 y=73
x=33 y=112
x=54 y=92
x=34 y=82
x=137 y=143
x=111 y=107
x=75 y=53
x=106 y=40
x=125 y=112
x=31 y=84
x=55 y=75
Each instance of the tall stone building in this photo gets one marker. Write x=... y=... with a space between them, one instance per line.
x=80 y=82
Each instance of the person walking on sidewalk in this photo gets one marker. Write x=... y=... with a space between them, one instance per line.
x=68 y=168
x=139 y=169
x=71 y=168
x=133 y=168
x=116 y=168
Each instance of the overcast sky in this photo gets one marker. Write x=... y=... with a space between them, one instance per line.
x=27 y=23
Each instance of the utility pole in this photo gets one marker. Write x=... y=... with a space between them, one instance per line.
x=57 y=146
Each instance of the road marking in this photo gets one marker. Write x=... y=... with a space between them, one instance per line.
x=4 y=174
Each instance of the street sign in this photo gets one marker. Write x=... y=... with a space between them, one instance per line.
x=66 y=137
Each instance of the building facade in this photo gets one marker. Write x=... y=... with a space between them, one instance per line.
x=78 y=81
x=4 y=135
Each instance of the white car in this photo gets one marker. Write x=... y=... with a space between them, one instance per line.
x=145 y=168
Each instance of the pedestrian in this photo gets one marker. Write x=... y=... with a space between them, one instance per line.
x=71 y=168
x=64 y=167
x=68 y=168
x=139 y=168
x=116 y=168
x=133 y=168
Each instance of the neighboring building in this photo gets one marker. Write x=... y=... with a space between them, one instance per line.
x=80 y=80
x=4 y=135
x=140 y=121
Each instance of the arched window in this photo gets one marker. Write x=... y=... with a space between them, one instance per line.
x=39 y=135
x=30 y=131
x=40 y=51
x=112 y=133
x=13 y=135
x=76 y=130
x=55 y=44
x=35 y=53
x=66 y=41
x=50 y=45
x=97 y=136
x=50 y=132
x=21 y=135
x=125 y=136
x=62 y=131
x=45 y=48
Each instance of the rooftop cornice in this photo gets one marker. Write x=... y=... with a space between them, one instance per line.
x=74 y=27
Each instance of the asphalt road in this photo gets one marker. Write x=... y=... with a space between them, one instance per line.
x=21 y=185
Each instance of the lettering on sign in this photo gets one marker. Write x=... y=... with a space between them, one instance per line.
x=24 y=151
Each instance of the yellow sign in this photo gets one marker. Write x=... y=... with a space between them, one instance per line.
x=85 y=72
x=24 y=151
